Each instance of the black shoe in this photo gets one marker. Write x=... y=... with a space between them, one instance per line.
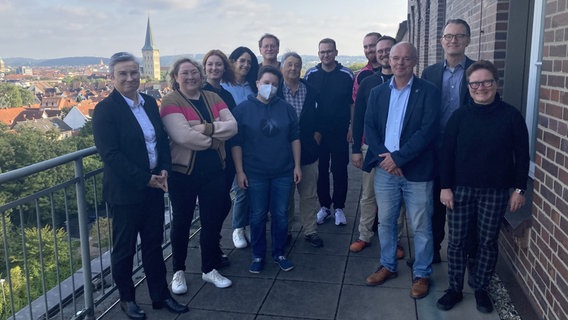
x=449 y=300
x=314 y=239
x=132 y=310
x=483 y=302
x=223 y=262
x=172 y=305
x=436 y=258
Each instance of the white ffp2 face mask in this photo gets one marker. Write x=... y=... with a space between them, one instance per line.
x=267 y=91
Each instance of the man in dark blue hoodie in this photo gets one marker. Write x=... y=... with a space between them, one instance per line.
x=334 y=112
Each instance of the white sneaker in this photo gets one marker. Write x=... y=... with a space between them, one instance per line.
x=340 y=217
x=216 y=279
x=179 y=285
x=323 y=215
x=239 y=239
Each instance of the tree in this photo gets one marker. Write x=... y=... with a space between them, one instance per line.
x=12 y=96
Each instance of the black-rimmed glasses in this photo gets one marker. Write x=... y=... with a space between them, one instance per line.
x=450 y=37
x=485 y=84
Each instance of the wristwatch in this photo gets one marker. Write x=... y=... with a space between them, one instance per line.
x=520 y=191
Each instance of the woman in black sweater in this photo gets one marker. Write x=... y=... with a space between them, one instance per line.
x=485 y=154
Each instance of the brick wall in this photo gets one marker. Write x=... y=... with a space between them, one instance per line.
x=548 y=246
x=537 y=250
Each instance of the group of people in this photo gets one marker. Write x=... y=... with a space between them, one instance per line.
x=242 y=137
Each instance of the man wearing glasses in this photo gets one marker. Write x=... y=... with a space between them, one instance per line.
x=449 y=77
x=269 y=46
x=334 y=84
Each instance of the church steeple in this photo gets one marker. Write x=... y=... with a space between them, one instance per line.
x=149 y=44
x=151 y=56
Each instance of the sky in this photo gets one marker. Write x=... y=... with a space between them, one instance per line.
x=43 y=29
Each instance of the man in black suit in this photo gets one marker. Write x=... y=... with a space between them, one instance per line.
x=401 y=125
x=134 y=148
x=449 y=77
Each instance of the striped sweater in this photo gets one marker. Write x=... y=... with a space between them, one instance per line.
x=189 y=132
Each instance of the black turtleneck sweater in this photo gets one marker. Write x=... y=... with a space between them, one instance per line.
x=485 y=146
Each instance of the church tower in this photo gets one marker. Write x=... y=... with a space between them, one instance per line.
x=2 y=67
x=150 y=56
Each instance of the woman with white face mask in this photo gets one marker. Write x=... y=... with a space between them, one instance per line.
x=266 y=152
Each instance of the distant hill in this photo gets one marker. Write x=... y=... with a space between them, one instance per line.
x=165 y=61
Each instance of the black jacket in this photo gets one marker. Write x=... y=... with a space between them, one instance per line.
x=120 y=143
x=308 y=123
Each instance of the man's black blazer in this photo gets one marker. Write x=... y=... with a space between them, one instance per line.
x=120 y=143
x=419 y=130
x=435 y=74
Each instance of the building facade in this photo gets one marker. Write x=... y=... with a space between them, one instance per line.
x=528 y=41
x=150 y=56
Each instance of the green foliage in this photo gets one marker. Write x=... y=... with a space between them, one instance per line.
x=53 y=244
x=355 y=67
x=12 y=96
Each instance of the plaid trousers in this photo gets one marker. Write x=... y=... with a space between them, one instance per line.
x=484 y=208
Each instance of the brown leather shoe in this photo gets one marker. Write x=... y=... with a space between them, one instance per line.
x=399 y=252
x=380 y=276
x=358 y=245
x=420 y=287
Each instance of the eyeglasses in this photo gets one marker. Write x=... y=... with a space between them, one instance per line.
x=450 y=37
x=323 y=53
x=485 y=84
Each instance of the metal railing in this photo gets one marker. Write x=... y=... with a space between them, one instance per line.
x=56 y=243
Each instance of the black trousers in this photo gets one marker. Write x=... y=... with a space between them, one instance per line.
x=439 y=224
x=147 y=219
x=212 y=193
x=334 y=147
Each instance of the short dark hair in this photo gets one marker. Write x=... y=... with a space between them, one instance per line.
x=383 y=38
x=459 y=21
x=120 y=57
x=268 y=35
x=270 y=69
x=373 y=34
x=329 y=41
x=483 y=65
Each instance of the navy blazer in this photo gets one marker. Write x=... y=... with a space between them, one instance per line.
x=435 y=74
x=120 y=143
x=419 y=130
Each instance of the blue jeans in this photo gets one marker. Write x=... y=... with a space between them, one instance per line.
x=390 y=191
x=269 y=194
x=240 y=206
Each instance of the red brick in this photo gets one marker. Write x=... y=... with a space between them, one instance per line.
x=555 y=81
x=558 y=50
x=552 y=139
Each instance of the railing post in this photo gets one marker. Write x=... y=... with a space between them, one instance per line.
x=84 y=237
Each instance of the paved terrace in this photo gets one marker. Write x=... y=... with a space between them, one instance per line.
x=327 y=283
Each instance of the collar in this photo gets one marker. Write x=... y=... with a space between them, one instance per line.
x=130 y=102
x=461 y=63
x=408 y=85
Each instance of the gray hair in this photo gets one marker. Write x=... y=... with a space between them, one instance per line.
x=413 y=49
x=121 y=57
x=289 y=54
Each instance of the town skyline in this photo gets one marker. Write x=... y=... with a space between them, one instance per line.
x=99 y=29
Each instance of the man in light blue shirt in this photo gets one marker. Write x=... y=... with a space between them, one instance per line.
x=401 y=126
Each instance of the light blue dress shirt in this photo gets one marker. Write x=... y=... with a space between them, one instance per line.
x=397 y=110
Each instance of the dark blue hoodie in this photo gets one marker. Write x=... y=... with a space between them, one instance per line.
x=265 y=134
